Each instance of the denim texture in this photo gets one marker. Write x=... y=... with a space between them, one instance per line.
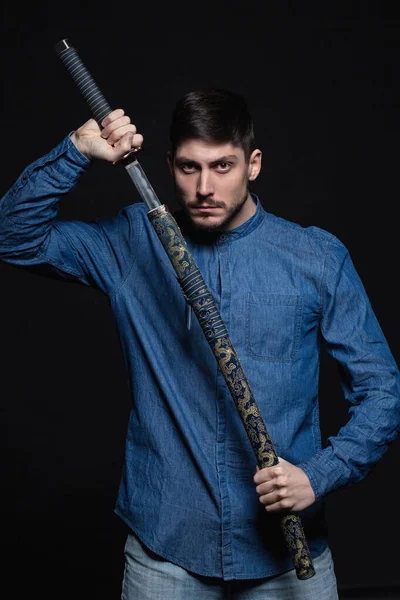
x=148 y=577
x=187 y=487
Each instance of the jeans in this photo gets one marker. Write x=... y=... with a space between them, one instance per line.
x=149 y=577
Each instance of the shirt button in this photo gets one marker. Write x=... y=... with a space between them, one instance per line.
x=223 y=237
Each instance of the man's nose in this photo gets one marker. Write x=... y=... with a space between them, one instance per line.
x=205 y=185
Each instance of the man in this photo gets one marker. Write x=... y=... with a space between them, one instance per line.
x=204 y=522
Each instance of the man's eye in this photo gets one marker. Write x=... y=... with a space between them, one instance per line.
x=222 y=167
x=188 y=168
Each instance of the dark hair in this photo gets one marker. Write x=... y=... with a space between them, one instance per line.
x=213 y=115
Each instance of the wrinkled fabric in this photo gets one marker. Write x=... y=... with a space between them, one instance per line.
x=282 y=290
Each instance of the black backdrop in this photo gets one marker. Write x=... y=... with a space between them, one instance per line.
x=323 y=86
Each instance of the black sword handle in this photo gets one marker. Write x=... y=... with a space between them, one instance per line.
x=84 y=81
x=197 y=294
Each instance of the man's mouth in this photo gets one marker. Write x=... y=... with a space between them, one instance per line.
x=206 y=208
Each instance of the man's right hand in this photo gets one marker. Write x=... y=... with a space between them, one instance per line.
x=116 y=138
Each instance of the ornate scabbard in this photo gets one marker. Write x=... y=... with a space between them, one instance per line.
x=206 y=311
x=202 y=302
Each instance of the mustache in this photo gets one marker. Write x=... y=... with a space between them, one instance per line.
x=207 y=202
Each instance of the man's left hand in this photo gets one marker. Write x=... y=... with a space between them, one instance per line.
x=284 y=487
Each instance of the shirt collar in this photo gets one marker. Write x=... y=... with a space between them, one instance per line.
x=246 y=227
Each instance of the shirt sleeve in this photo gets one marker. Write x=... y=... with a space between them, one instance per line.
x=96 y=253
x=369 y=375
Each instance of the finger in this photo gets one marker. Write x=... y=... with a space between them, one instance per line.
x=131 y=141
x=263 y=475
x=116 y=126
x=125 y=145
x=276 y=500
x=280 y=504
x=276 y=508
x=270 y=498
x=116 y=136
x=265 y=488
x=115 y=114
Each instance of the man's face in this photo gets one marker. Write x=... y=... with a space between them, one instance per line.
x=211 y=182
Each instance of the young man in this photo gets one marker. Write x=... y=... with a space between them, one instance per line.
x=204 y=522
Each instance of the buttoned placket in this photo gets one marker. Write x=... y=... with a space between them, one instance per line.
x=223 y=247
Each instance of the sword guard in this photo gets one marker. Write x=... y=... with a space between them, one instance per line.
x=128 y=157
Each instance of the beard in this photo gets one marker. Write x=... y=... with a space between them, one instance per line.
x=202 y=225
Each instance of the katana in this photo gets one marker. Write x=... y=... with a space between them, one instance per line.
x=202 y=302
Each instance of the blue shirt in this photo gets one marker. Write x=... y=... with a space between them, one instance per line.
x=187 y=488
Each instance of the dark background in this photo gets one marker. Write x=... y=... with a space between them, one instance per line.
x=322 y=82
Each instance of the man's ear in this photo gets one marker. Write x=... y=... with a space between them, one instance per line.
x=170 y=161
x=254 y=164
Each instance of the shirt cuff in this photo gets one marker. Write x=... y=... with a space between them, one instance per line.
x=76 y=154
x=325 y=474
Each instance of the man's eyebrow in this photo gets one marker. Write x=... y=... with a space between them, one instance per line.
x=183 y=160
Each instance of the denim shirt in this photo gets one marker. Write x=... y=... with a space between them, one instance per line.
x=187 y=487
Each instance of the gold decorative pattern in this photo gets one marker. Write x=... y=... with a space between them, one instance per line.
x=198 y=296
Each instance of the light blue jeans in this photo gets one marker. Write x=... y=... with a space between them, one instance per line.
x=149 y=577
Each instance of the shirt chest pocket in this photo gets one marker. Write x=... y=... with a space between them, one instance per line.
x=273 y=323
